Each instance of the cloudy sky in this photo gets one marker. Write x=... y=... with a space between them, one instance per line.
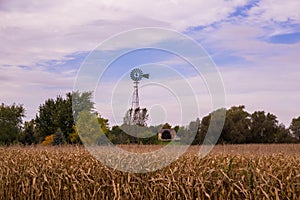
x=254 y=44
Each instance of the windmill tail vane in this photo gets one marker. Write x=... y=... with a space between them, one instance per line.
x=145 y=75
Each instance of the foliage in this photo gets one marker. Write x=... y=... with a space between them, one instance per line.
x=295 y=127
x=58 y=113
x=189 y=134
x=74 y=136
x=104 y=125
x=62 y=113
x=236 y=125
x=126 y=134
x=243 y=127
x=283 y=135
x=80 y=102
x=10 y=122
x=117 y=136
x=58 y=138
x=263 y=127
x=214 y=123
x=48 y=140
x=89 y=129
x=138 y=116
x=28 y=136
x=54 y=114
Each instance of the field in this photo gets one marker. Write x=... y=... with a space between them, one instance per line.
x=228 y=172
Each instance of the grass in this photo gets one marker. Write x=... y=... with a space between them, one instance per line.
x=228 y=172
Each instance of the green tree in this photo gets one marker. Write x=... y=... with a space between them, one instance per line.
x=233 y=130
x=205 y=121
x=182 y=133
x=10 y=122
x=80 y=102
x=176 y=128
x=283 y=135
x=135 y=124
x=213 y=122
x=74 y=136
x=89 y=129
x=191 y=136
x=117 y=136
x=150 y=137
x=28 y=135
x=103 y=123
x=61 y=113
x=236 y=126
x=58 y=138
x=295 y=127
x=263 y=127
x=138 y=116
x=51 y=116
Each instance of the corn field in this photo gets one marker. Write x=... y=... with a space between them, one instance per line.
x=228 y=172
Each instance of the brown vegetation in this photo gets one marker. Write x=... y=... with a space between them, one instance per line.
x=228 y=172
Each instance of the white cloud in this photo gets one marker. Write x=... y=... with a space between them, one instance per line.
x=270 y=88
x=32 y=32
x=248 y=41
x=182 y=14
x=276 y=10
x=32 y=87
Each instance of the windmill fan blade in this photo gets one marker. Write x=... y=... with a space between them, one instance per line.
x=145 y=75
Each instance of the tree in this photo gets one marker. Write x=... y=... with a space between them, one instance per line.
x=191 y=136
x=233 y=130
x=182 y=133
x=236 y=126
x=103 y=123
x=283 y=135
x=74 y=136
x=241 y=127
x=295 y=127
x=10 y=122
x=213 y=123
x=53 y=114
x=117 y=136
x=62 y=113
x=28 y=135
x=80 y=102
x=136 y=116
x=90 y=131
x=176 y=128
x=58 y=138
x=135 y=124
x=263 y=127
x=203 y=130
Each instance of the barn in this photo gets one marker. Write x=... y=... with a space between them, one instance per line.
x=166 y=134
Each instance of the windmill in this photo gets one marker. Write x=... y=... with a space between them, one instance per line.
x=136 y=75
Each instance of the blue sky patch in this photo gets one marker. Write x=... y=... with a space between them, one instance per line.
x=242 y=10
x=289 y=38
x=70 y=62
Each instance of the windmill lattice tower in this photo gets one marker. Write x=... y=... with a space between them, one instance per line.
x=136 y=75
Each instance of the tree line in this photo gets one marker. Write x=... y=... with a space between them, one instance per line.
x=58 y=120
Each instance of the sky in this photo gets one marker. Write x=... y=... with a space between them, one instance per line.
x=254 y=45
